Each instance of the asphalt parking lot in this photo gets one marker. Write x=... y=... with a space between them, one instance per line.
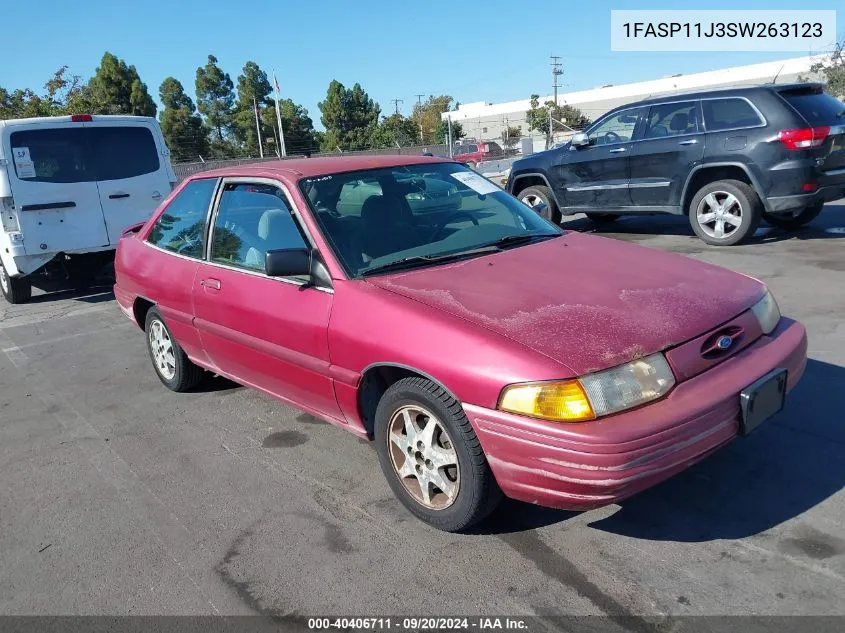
x=120 y=497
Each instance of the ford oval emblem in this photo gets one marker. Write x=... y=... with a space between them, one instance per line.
x=724 y=342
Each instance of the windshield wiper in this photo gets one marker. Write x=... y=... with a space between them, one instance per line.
x=523 y=238
x=417 y=260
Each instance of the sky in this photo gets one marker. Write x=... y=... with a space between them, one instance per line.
x=473 y=50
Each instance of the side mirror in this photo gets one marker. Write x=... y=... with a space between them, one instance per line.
x=579 y=139
x=296 y=262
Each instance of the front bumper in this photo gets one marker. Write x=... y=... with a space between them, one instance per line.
x=583 y=466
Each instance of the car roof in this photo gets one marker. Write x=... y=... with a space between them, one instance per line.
x=730 y=91
x=296 y=168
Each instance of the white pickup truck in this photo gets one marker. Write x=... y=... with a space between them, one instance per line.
x=69 y=186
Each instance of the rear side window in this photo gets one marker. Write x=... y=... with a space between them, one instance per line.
x=672 y=119
x=68 y=155
x=55 y=155
x=729 y=113
x=122 y=152
x=181 y=228
x=816 y=106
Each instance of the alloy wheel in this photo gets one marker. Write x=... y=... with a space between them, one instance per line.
x=719 y=214
x=4 y=279
x=424 y=457
x=162 y=349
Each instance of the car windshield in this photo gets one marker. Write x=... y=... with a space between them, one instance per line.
x=418 y=215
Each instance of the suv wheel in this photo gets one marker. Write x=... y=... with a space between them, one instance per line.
x=538 y=195
x=15 y=289
x=725 y=212
x=794 y=219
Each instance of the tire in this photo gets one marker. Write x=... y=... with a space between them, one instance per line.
x=15 y=289
x=602 y=218
x=729 y=204
x=794 y=221
x=184 y=375
x=530 y=196
x=469 y=491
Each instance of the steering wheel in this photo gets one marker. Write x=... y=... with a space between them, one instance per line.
x=612 y=137
x=449 y=220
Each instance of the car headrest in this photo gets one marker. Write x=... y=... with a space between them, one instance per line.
x=679 y=122
x=274 y=222
x=377 y=210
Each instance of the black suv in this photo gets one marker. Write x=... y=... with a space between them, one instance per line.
x=726 y=158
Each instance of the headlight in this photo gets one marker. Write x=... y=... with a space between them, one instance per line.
x=767 y=312
x=594 y=395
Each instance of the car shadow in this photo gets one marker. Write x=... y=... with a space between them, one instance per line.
x=215 y=383
x=829 y=225
x=99 y=292
x=786 y=467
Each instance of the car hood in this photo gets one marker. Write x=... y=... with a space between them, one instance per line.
x=585 y=301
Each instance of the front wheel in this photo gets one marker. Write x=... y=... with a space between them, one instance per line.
x=725 y=212
x=431 y=456
x=540 y=199
x=794 y=219
x=15 y=289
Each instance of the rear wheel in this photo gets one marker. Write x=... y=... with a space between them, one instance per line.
x=794 y=219
x=725 y=212
x=15 y=289
x=431 y=456
x=172 y=365
x=537 y=196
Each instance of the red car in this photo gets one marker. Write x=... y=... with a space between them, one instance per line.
x=483 y=349
x=473 y=153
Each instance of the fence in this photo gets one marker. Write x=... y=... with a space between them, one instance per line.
x=183 y=170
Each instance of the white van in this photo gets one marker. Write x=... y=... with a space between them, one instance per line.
x=69 y=186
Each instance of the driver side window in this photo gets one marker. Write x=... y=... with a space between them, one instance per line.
x=251 y=220
x=181 y=227
x=618 y=128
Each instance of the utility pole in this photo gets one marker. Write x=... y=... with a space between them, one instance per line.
x=557 y=71
x=396 y=103
x=419 y=99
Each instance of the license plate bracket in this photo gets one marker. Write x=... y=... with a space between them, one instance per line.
x=761 y=400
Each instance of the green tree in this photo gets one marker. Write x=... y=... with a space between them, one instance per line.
x=216 y=101
x=63 y=94
x=427 y=116
x=183 y=130
x=117 y=88
x=833 y=71
x=565 y=118
x=298 y=128
x=396 y=131
x=511 y=136
x=350 y=117
x=442 y=134
x=252 y=84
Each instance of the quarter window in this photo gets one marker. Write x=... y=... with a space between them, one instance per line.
x=618 y=128
x=181 y=228
x=729 y=113
x=251 y=220
x=672 y=119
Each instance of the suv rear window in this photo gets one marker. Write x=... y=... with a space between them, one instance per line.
x=815 y=105
x=67 y=155
x=729 y=113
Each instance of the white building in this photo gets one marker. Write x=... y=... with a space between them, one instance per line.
x=486 y=121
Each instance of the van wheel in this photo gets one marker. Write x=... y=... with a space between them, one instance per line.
x=172 y=365
x=431 y=456
x=725 y=212
x=15 y=289
x=534 y=196
x=793 y=220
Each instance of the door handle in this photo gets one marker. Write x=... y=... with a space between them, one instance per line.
x=156 y=195
x=210 y=283
x=691 y=141
x=618 y=150
x=116 y=196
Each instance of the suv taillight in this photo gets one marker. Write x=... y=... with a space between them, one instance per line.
x=804 y=138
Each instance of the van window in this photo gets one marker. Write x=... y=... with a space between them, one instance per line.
x=727 y=114
x=181 y=228
x=122 y=152
x=67 y=155
x=57 y=154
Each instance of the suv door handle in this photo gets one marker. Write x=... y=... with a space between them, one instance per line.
x=115 y=196
x=691 y=141
x=618 y=150
x=210 y=283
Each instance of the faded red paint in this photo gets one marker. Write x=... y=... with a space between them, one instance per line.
x=556 y=309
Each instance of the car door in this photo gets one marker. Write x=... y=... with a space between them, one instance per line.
x=270 y=333
x=671 y=145
x=132 y=176
x=597 y=175
x=53 y=183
